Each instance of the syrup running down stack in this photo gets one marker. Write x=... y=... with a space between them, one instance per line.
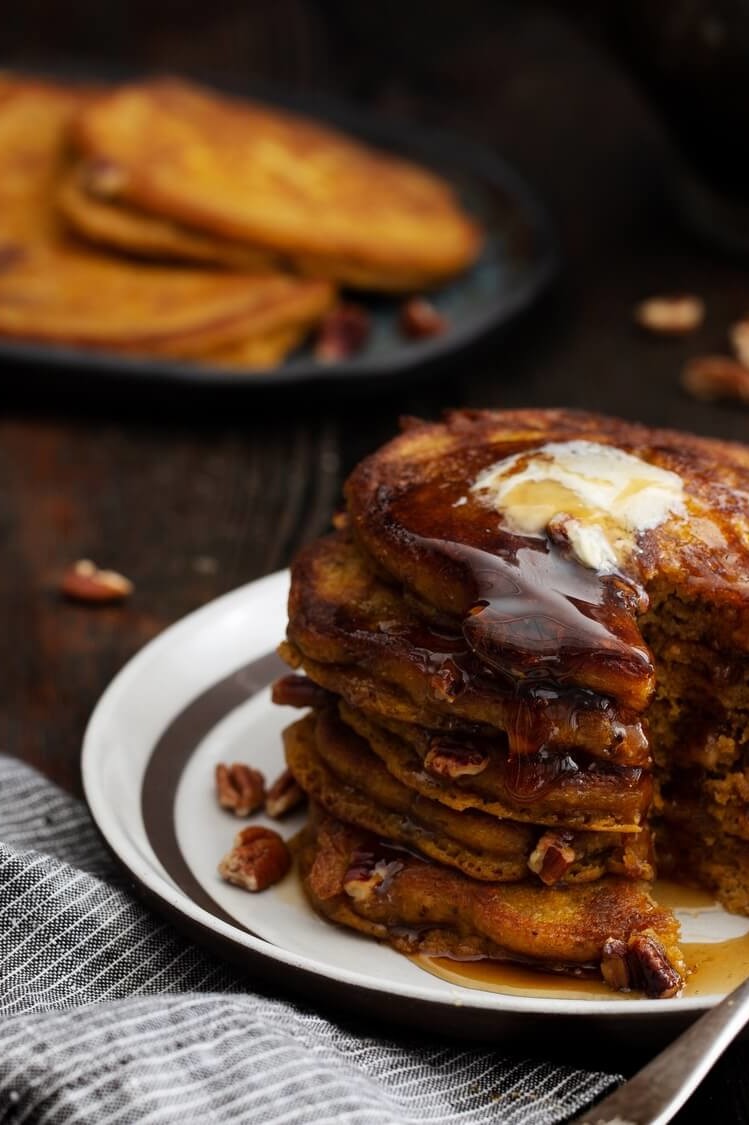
x=486 y=641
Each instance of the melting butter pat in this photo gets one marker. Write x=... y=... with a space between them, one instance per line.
x=597 y=496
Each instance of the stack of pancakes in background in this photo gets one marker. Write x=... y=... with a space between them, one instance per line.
x=164 y=220
x=477 y=753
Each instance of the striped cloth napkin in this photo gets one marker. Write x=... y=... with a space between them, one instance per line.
x=108 y=1015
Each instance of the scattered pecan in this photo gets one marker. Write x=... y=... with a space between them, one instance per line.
x=447 y=758
x=284 y=795
x=552 y=857
x=299 y=691
x=740 y=341
x=716 y=376
x=671 y=315
x=239 y=788
x=366 y=876
x=640 y=964
x=419 y=319
x=342 y=332
x=258 y=859
x=103 y=177
x=84 y=582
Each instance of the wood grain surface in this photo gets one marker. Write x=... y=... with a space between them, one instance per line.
x=191 y=494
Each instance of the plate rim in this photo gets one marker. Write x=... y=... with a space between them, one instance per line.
x=461 y=153
x=174 y=900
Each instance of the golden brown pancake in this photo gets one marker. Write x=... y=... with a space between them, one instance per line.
x=262 y=352
x=413 y=510
x=53 y=294
x=358 y=636
x=53 y=290
x=272 y=180
x=338 y=770
x=131 y=231
x=422 y=907
x=567 y=790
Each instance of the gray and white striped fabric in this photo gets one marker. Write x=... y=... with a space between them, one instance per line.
x=108 y=1016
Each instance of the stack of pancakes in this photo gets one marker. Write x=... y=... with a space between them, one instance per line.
x=162 y=219
x=477 y=753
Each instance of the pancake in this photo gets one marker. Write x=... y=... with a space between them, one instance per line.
x=414 y=509
x=338 y=770
x=59 y=295
x=261 y=352
x=356 y=880
x=243 y=171
x=34 y=117
x=358 y=636
x=131 y=231
x=55 y=291
x=569 y=791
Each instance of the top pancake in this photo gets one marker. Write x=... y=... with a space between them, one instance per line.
x=548 y=617
x=332 y=206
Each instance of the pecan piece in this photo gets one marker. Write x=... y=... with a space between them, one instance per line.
x=367 y=876
x=671 y=314
x=552 y=857
x=84 y=582
x=615 y=966
x=239 y=788
x=258 y=859
x=447 y=683
x=419 y=319
x=713 y=377
x=450 y=759
x=284 y=795
x=640 y=964
x=103 y=177
x=342 y=332
x=299 y=691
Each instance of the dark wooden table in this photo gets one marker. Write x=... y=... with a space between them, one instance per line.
x=192 y=494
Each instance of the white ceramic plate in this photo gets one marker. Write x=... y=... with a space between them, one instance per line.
x=198 y=695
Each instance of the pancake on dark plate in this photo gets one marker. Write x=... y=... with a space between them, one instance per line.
x=55 y=290
x=274 y=182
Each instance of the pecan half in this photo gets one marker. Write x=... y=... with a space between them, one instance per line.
x=342 y=332
x=450 y=759
x=299 y=691
x=447 y=683
x=641 y=963
x=419 y=319
x=552 y=857
x=258 y=859
x=284 y=795
x=239 y=788
x=671 y=314
x=615 y=965
x=103 y=177
x=367 y=876
x=84 y=582
x=713 y=377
